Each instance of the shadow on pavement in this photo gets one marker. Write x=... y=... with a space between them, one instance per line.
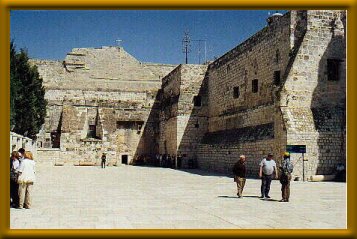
x=224 y=196
x=269 y=199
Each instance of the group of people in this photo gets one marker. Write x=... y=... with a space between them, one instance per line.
x=22 y=178
x=267 y=171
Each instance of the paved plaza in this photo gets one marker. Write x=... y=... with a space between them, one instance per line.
x=130 y=197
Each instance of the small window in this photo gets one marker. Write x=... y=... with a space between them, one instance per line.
x=228 y=68
x=276 y=77
x=236 y=92
x=277 y=56
x=91 y=131
x=255 y=85
x=333 y=68
x=197 y=100
x=139 y=127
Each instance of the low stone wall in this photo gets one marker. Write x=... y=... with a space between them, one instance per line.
x=51 y=155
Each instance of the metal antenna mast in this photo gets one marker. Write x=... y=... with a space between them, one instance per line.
x=186 y=46
x=199 y=50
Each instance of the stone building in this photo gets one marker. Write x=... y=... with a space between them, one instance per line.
x=99 y=100
x=285 y=85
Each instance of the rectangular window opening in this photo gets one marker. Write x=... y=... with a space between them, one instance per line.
x=92 y=131
x=236 y=92
x=255 y=85
x=276 y=77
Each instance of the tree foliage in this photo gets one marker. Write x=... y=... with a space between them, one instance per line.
x=27 y=95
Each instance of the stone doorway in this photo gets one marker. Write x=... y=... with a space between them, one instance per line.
x=124 y=159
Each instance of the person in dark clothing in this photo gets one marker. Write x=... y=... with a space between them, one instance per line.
x=14 y=187
x=240 y=171
x=104 y=159
x=285 y=177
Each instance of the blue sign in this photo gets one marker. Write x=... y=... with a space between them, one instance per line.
x=296 y=148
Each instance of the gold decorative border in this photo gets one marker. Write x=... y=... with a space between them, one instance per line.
x=6 y=6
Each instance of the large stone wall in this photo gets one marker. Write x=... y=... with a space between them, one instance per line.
x=303 y=108
x=182 y=124
x=99 y=88
x=244 y=122
x=314 y=107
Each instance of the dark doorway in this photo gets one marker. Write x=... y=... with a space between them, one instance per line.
x=124 y=159
x=55 y=139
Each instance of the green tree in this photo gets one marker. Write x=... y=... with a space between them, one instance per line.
x=27 y=103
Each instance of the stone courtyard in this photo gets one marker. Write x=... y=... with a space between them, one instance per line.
x=132 y=197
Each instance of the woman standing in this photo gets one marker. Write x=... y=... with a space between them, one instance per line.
x=14 y=187
x=26 y=180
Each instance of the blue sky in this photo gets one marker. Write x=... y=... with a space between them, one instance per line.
x=150 y=36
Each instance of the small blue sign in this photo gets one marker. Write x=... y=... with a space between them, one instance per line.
x=296 y=148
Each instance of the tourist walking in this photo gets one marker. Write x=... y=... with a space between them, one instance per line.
x=14 y=187
x=26 y=180
x=286 y=169
x=240 y=171
x=266 y=171
x=104 y=159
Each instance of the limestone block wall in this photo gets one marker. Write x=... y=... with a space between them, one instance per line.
x=192 y=121
x=255 y=59
x=103 y=69
x=242 y=118
x=313 y=106
x=221 y=157
x=49 y=155
x=100 y=86
x=169 y=111
x=182 y=124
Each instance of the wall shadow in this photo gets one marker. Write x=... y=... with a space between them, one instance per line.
x=328 y=103
x=148 y=146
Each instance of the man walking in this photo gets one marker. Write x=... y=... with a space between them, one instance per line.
x=104 y=159
x=266 y=171
x=239 y=171
x=285 y=177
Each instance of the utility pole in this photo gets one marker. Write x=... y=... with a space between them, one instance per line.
x=186 y=46
x=199 y=50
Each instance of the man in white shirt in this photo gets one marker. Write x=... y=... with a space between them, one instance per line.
x=266 y=171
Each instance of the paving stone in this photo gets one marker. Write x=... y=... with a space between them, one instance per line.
x=168 y=199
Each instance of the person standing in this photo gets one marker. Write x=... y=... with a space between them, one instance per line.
x=240 y=171
x=266 y=171
x=104 y=159
x=14 y=187
x=26 y=180
x=21 y=154
x=285 y=177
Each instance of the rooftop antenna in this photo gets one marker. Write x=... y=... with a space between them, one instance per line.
x=199 y=50
x=186 y=45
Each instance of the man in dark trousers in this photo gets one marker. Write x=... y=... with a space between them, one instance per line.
x=240 y=171
x=104 y=159
x=285 y=177
x=266 y=171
